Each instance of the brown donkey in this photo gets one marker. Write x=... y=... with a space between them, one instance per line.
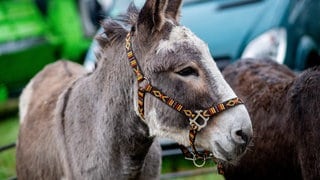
x=103 y=125
x=284 y=109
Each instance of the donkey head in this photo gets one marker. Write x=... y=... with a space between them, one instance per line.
x=179 y=64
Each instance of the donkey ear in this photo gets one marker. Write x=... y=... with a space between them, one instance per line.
x=173 y=9
x=152 y=15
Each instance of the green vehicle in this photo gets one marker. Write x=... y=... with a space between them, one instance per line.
x=37 y=32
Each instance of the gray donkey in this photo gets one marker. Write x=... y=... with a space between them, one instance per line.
x=102 y=125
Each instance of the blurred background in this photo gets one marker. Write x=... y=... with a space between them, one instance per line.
x=34 y=33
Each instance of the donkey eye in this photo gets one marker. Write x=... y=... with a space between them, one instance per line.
x=188 y=71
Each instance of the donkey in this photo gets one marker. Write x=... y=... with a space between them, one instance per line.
x=284 y=109
x=104 y=124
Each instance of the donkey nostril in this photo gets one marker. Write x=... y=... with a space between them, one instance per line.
x=242 y=135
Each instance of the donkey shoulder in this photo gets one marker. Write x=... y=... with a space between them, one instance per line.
x=57 y=76
x=37 y=102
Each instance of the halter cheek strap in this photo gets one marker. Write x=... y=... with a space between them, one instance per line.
x=197 y=119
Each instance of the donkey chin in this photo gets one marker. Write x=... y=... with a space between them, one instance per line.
x=231 y=155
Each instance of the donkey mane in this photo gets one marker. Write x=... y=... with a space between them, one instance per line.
x=115 y=30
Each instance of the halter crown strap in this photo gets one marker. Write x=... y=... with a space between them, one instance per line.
x=194 y=116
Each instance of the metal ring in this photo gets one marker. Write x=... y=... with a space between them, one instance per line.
x=199 y=165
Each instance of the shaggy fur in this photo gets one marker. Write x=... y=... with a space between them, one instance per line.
x=284 y=109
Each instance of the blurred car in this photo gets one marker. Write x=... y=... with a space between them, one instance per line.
x=287 y=31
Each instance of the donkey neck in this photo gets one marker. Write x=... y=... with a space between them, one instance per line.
x=119 y=137
x=135 y=140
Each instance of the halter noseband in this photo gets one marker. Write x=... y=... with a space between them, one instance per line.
x=193 y=116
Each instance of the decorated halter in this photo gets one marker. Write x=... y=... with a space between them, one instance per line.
x=197 y=119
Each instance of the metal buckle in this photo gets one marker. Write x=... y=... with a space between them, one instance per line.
x=193 y=121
